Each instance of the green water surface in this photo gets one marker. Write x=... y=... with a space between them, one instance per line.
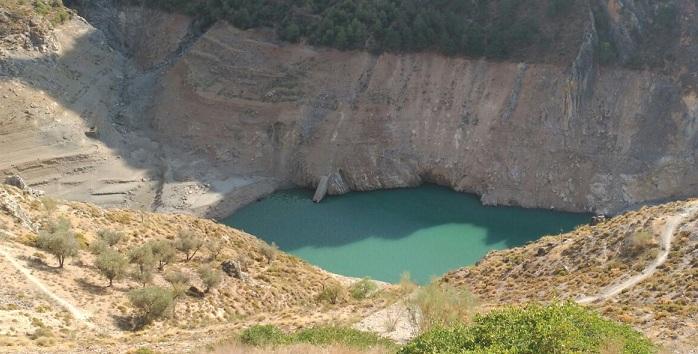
x=425 y=231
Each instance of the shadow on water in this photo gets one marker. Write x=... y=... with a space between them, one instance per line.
x=426 y=230
x=293 y=221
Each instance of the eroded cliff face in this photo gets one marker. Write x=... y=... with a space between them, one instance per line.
x=206 y=120
x=577 y=137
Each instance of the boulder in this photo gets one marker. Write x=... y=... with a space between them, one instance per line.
x=195 y=292
x=232 y=268
x=16 y=181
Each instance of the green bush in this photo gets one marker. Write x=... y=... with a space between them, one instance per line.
x=362 y=289
x=180 y=283
x=58 y=239
x=144 y=259
x=112 y=265
x=268 y=335
x=556 y=328
x=110 y=237
x=331 y=293
x=210 y=276
x=151 y=302
x=339 y=335
x=263 y=335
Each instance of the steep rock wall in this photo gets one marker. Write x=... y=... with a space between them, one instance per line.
x=581 y=137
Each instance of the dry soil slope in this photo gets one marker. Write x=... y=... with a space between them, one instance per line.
x=283 y=292
x=587 y=260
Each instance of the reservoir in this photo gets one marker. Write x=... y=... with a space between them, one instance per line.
x=425 y=231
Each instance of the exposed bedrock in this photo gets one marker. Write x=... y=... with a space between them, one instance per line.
x=576 y=137
x=149 y=110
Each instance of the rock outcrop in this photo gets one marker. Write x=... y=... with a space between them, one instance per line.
x=578 y=137
x=206 y=120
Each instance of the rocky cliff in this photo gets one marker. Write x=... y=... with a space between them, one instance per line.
x=215 y=117
x=580 y=136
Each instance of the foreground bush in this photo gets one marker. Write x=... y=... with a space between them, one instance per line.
x=557 y=328
x=272 y=336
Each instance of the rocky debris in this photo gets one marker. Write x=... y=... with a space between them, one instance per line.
x=21 y=31
x=598 y=219
x=337 y=185
x=16 y=181
x=92 y=133
x=233 y=269
x=321 y=190
x=11 y=206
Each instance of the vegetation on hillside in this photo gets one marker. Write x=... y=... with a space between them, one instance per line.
x=556 y=328
x=51 y=10
x=268 y=335
x=472 y=28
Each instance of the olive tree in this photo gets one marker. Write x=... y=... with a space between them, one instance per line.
x=188 y=243
x=59 y=240
x=144 y=260
x=112 y=265
x=214 y=247
x=164 y=253
x=151 y=302
x=180 y=283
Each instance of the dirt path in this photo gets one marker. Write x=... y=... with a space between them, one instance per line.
x=665 y=247
x=74 y=311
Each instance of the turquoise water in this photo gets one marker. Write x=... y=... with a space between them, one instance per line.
x=425 y=231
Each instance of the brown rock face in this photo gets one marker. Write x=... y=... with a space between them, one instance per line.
x=577 y=137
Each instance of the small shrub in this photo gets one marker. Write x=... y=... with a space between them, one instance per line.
x=362 y=289
x=143 y=351
x=98 y=247
x=50 y=205
x=269 y=251
x=112 y=265
x=110 y=237
x=210 y=276
x=442 y=305
x=637 y=243
x=29 y=239
x=151 y=302
x=331 y=293
x=406 y=284
x=268 y=335
x=188 y=243
x=58 y=239
x=263 y=335
x=180 y=283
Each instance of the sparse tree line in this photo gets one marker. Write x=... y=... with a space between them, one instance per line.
x=141 y=262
